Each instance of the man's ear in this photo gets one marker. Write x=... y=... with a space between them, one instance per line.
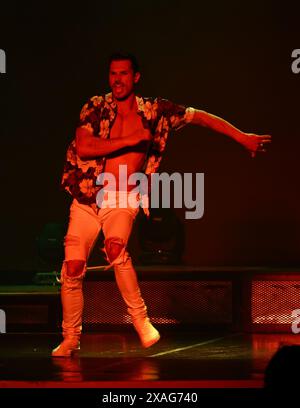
x=137 y=77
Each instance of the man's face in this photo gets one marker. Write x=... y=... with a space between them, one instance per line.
x=122 y=79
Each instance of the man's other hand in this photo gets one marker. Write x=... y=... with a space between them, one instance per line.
x=255 y=143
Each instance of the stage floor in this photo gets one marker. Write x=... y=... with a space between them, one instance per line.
x=115 y=359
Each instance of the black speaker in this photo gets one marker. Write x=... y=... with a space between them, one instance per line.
x=50 y=246
x=161 y=237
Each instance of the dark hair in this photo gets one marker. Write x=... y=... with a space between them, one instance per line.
x=120 y=56
x=281 y=382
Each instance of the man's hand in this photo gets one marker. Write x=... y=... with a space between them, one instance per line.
x=255 y=143
x=145 y=204
x=146 y=212
x=141 y=135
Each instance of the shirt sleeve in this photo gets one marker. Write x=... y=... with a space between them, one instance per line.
x=90 y=115
x=177 y=115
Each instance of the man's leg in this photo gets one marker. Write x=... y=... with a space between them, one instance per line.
x=83 y=230
x=117 y=226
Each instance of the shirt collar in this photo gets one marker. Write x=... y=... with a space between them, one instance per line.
x=139 y=101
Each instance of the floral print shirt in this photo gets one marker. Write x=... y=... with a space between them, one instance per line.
x=98 y=114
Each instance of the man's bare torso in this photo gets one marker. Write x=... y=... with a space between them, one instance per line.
x=133 y=157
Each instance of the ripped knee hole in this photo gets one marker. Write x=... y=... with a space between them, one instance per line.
x=114 y=246
x=75 y=268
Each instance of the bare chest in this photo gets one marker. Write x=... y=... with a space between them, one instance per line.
x=132 y=157
x=123 y=126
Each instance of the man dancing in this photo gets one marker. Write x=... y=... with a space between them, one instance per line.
x=116 y=129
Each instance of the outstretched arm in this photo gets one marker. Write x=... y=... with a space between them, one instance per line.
x=252 y=142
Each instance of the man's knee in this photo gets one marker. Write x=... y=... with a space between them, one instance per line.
x=75 y=268
x=114 y=247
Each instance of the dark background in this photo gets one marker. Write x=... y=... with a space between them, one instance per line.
x=230 y=58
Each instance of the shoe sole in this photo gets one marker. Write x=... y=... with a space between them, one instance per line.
x=71 y=353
